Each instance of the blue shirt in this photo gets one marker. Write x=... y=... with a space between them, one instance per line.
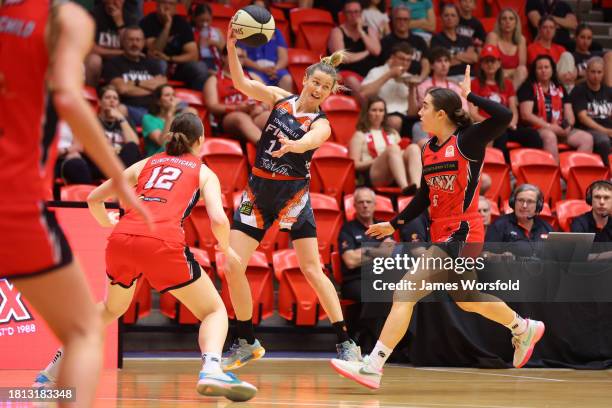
x=268 y=51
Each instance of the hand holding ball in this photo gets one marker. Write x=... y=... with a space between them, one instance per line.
x=253 y=25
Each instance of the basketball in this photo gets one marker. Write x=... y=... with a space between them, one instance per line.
x=253 y=25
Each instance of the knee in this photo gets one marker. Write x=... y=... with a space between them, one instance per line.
x=88 y=326
x=393 y=149
x=93 y=62
x=116 y=310
x=548 y=136
x=313 y=272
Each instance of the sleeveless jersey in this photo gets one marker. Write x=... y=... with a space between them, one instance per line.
x=285 y=121
x=227 y=93
x=27 y=118
x=169 y=188
x=452 y=179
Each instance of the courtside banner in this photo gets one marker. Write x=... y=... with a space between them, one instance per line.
x=546 y=271
x=26 y=342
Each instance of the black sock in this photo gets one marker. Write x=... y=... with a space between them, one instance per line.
x=341 y=331
x=244 y=329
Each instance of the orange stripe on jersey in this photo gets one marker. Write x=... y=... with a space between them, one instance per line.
x=258 y=217
x=292 y=203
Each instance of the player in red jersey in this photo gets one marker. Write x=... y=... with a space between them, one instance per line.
x=452 y=164
x=42 y=48
x=169 y=184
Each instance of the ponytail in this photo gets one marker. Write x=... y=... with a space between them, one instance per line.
x=185 y=131
x=461 y=118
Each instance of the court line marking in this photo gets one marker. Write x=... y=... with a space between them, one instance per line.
x=491 y=374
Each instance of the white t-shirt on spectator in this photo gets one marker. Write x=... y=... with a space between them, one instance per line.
x=375 y=18
x=394 y=93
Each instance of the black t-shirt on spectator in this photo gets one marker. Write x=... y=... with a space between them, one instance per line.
x=582 y=59
x=417 y=230
x=144 y=69
x=461 y=44
x=353 y=236
x=556 y=9
x=107 y=33
x=180 y=32
x=597 y=104
x=586 y=223
x=526 y=93
x=471 y=28
x=418 y=44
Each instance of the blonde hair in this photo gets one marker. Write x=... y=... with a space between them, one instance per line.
x=328 y=65
x=517 y=34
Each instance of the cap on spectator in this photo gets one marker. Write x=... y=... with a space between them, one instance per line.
x=490 y=51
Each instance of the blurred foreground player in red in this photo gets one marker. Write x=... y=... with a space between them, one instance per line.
x=42 y=48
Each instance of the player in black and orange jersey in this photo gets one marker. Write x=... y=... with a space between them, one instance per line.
x=452 y=164
x=43 y=44
x=278 y=189
x=169 y=184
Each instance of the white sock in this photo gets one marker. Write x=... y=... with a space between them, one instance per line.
x=53 y=368
x=379 y=355
x=518 y=325
x=211 y=363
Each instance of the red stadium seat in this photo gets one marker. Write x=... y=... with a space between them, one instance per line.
x=170 y=307
x=537 y=167
x=580 y=169
x=567 y=210
x=299 y=60
x=513 y=145
x=336 y=265
x=76 y=192
x=499 y=171
x=297 y=300
x=383 y=210
x=329 y=221
x=259 y=274
x=91 y=96
x=494 y=211
x=342 y=112
x=194 y=99
x=488 y=23
x=281 y=23
x=332 y=171
x=197 y=228
x=402 y=202
x=225 y=158
x=222 y=15
x=141 y=303
x=311 y=28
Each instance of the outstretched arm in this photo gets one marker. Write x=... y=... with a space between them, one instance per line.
x=69 y=41
x=254 y=89
x=317 y=135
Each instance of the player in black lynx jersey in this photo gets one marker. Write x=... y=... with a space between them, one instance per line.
x=278 y=189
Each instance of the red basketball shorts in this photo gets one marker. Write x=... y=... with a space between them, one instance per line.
x=166 y=265
x=462 y=236
x=31 y=241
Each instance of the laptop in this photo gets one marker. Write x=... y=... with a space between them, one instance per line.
x=569 y=246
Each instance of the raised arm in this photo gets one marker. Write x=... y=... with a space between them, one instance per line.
x=254 y=89
x=69 y=42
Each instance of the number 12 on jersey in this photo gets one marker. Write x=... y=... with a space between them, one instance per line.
x=163 y=178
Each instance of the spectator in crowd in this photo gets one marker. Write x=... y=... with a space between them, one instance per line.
x=375 y=15
x=598 y=220
x=507 y=36
x=268 y=63
x=156 y=123
x=423 y=17
x=351 y=242
x=210 y=40
x=111 y=19
x=361 y=43
x=543 y=44
x=234 y=112
x=169 y=38
x=77 y=167
x=586 y=49
x=544 y=106
x=400 y=19
x=561 y=14
x=522 y=227
x=484 y=209
x=567 y=72
x=469 y=26
x=490 y=83
x=377 y=154
x=134 y=75
x=461 y=49
x=393 y=83
x=439 y=59
x=592 y=103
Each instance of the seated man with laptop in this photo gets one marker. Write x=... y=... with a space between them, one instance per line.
x=598 y=220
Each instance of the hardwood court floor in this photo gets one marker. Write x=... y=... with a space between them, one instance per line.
x=313 y=384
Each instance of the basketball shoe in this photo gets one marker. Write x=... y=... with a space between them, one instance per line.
x=525 y=342
x=44 y=381
x=240 y=353
x=226 y=385
x=359 y=371
x=348 y=351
